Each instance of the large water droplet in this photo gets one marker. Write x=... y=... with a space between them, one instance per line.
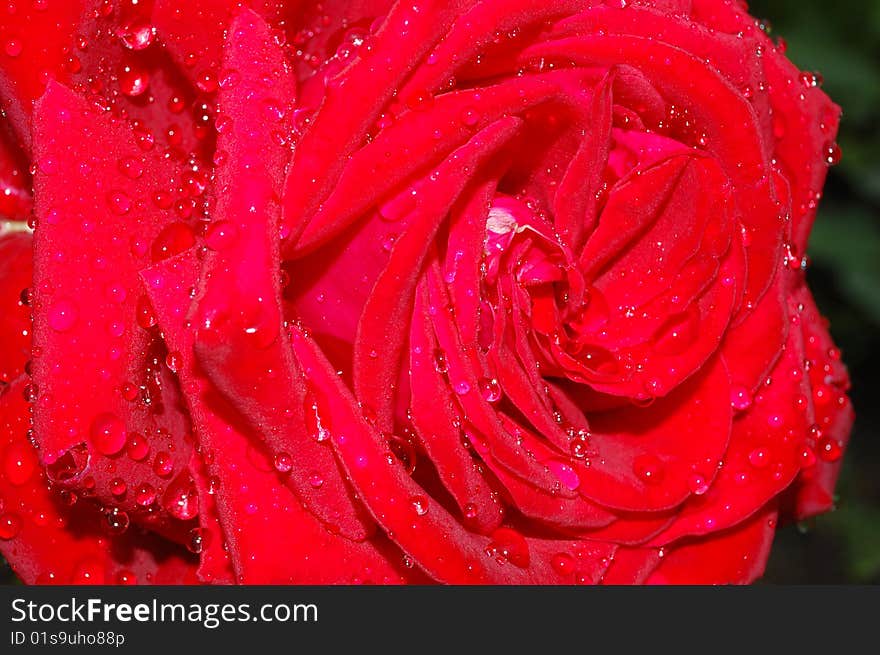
x=648 y=468
x=145 y=494
x=565 y=474
x=19 y=463
x=181 y=498
x=10 y=525
x=62 y=315
x=490 y=389
x=108 y=433
x=70 y=465
x=116 y=521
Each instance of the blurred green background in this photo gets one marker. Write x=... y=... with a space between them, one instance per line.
x=841 y=40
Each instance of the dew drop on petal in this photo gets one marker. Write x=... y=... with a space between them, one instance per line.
x=565 y=474
x=137 y=446
x=62 y=315
x=10 y=526
x=198 y=540
x=108 y=433
x=759 y=458
x=698 y=484
x=181 y=498
x=116 y=521
x=562 y=563
x=490 y=389
x=70 y=465
x=740 y=398
x=19 y=463
x=283 y=463
x=145 y=494
x=419 y=505
x=163 y=464
x=508 y=545
x=648 y=468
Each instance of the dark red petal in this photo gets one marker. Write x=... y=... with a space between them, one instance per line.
x=381 y=331
x=833 y=411
x=646 y=459
x=766 y=452
x=367 y=84
x=239 y=309
x=48 y=540
x=101 y=377
x=437 y=542
x=737 y=556
x=271 y=537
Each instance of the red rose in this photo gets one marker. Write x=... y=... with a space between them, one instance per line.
x=471 y=292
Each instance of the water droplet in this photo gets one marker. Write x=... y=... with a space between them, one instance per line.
x=173 y=240
x=198 y=540
x=70 y=465
x=740 y=398
x=13 y=47
x=19 y=463
x=108 y=433
x=316 y=480
x=118 y=487
x=144 y=313
x=833 y=154
x=648 y=468
x=807 y=457
x=88 y=572
x=126 y=577
x=315 y=423
x=136 y=35
x=440 y=361
x=163 y=464
x=116 y=521
x=133 y=81
x=508 y=545
x=829 y=450
x=490 y=389
x=419 y=504
x=565 y=474
x=698 y=484
x=137 y=446
x=174 y=360
x=562 y=563
x=221 y=235
x=181 y=498
x=810 y=80
x=132 y=168
x=10 y=526
x=119 y=202
x=470 y=116
x=759 y=458
x=283 y=463
x=461 y=387
x=145 y=495
x=62 y=315
x=470 y=511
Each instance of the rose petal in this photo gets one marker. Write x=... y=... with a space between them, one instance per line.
x=48 y=541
